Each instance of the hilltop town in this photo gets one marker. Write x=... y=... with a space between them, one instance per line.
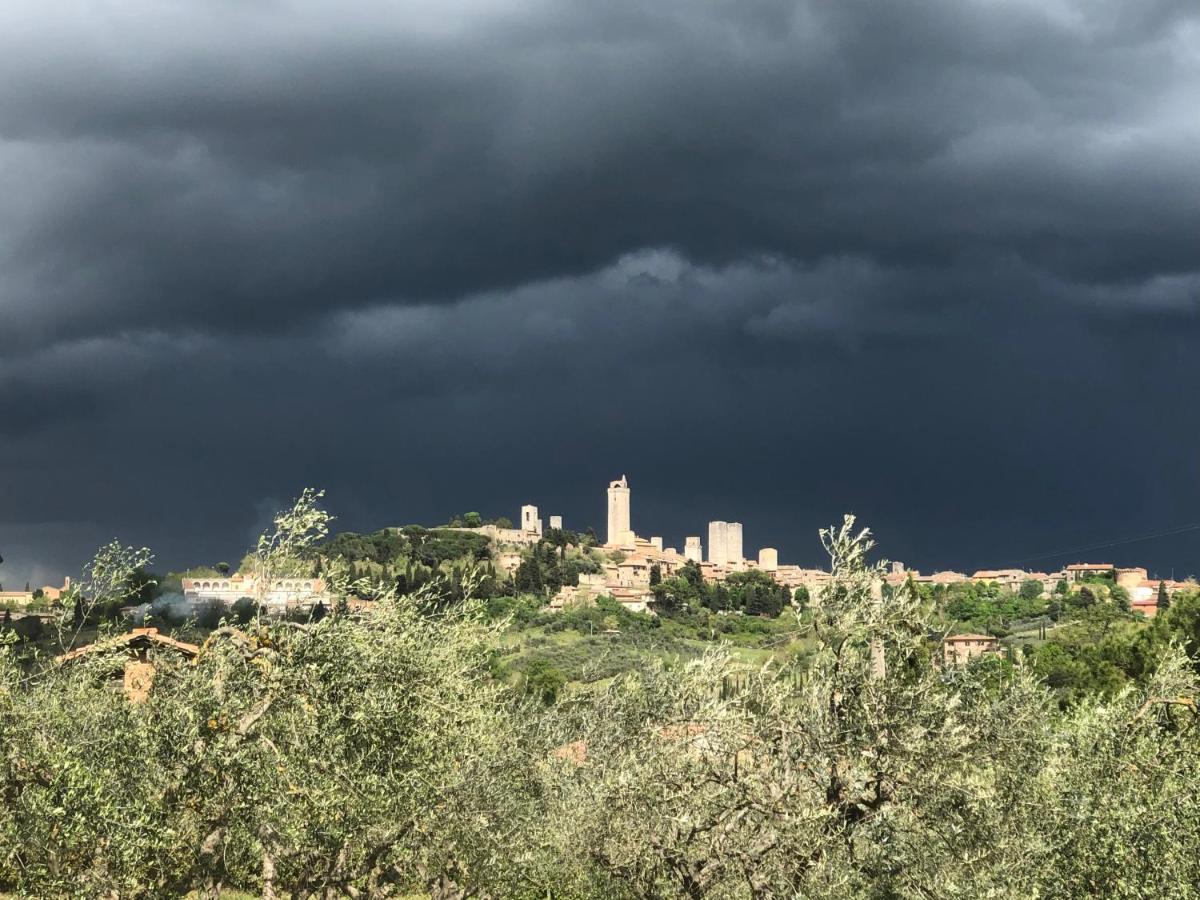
x=627 y=566
x=634 y=562
x=678 y=658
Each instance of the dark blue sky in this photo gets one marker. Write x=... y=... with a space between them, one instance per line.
x=936 y=263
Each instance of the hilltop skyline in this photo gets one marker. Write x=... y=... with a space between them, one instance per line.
x=934 y=264
x=1128 y=551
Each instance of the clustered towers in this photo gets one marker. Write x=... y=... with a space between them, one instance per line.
x=724 y=538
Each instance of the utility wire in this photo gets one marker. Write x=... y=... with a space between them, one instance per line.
x=1181 y=529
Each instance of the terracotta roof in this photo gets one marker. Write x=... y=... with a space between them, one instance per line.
x=969 y=637
x=133 y=638
x=1170 y=585
x=943 y=577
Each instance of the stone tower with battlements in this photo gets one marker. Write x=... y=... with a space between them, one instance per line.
x=619 y=532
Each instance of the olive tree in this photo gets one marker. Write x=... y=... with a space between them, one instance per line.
x=355 y=756
x=871 y=772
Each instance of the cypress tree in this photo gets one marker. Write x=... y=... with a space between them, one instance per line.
x=1164 y=601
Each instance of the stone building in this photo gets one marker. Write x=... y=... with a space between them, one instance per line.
x=530 y=523
x=718 y=543
x=1077 y=572
x=958 y=649
x=282 y=595
x=529 y=530
x=793 y=577
x=15 y=599
x=1132 y=578
x=733 y=544
x=1143 y=596
x=1009 y=579
x=628 y=588
x=54 y=594
x=768 y=559
x=692 y=549
x=619 y=532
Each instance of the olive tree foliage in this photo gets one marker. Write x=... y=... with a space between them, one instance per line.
x=106 y=585
x=373 y=755
x=348 y=757
x=1118 y=806
x=870 y=773
x=286 y=549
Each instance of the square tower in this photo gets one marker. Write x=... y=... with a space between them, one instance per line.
x=733 y=544
x=718 y=536
x=529 y=519
x=618 y=512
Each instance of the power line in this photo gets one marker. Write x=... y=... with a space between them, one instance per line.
x=1154 y=535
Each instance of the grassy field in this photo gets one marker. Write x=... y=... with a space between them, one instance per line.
x=590 y=658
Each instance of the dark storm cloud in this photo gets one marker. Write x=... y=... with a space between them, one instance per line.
x=222 y=167
x=888 y=255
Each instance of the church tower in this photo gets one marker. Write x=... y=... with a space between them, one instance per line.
x=619 y=533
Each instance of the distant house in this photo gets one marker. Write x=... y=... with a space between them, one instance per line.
x=15 y=599
x=1010 y=579
x=22 y=599
x=943 y=578
x=54 y=594
x=134 y=655
x=1143 y=596
x=281 y=595
x=958 y=649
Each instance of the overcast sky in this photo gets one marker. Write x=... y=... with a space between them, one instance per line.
x=936 y=263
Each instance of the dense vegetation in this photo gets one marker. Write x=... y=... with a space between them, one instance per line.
x=381 y=755
x=754 y=593
x=409 y=558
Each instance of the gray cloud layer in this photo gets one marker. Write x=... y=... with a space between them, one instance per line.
x=863 y=243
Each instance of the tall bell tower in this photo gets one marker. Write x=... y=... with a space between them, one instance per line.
x=619 y=532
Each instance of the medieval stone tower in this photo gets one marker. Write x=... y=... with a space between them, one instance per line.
x=619 y=531
x=718 y=535
x=733 y=544
x=725 y=543
x=529 y=519
x=692 y=549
